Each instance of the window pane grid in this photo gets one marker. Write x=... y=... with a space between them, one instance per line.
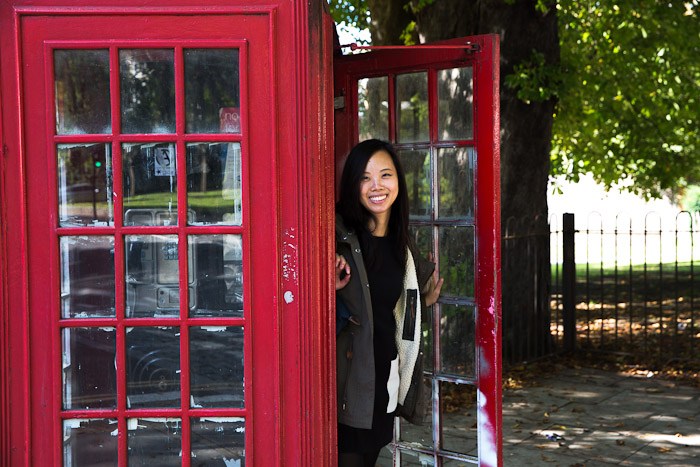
x=84 y=424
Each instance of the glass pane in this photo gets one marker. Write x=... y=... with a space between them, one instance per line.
x=423 y=239
x=427 y=330
x=455 y=103
x=87 y=277
x=152 y=367
x=214 y=183
x=216 y=366
x=150 y=184
x=373 y=108
x=218 y=275
x=416 y=459
x=420 y=436
x=457 y=342
x=412 y=107
x=416 y=165
x=218 y=442
x=152 y=276
x=456 y=175
x=460 y=463
x=154 y=442
x=82 y=92
x=457 y=261
x=212 y=91
x=458 y=413
x=89 y=375
x=147 y=80
x=88 y=441
x=85 y=185
x=386 y=456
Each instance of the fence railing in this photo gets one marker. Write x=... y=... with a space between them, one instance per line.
x=626 y=285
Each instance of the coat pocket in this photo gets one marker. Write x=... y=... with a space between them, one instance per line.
x=409 y=318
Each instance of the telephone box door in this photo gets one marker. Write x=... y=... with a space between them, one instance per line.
x=438 y=105
x=150 y=224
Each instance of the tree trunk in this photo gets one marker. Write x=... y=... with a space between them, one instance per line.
x=526 y=134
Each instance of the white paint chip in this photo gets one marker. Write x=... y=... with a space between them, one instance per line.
x=288 y=297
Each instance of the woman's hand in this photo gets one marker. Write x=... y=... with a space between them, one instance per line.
x=341 y=266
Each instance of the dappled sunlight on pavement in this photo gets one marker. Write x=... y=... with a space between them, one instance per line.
x=590 y=417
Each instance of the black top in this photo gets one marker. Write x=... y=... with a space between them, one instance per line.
x=385 y=275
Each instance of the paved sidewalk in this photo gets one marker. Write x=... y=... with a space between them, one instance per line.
x=588 y=417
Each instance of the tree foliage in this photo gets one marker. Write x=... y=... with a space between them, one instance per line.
x=628 y=107
x=626 y=87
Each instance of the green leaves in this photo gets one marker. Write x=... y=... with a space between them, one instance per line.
x=534 y=79
x=628 y=107
x=352 y=12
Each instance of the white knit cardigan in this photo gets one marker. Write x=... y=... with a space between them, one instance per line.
x=407 y=349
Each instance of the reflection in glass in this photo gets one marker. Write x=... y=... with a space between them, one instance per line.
x=152 y=367
x=416 y=459
x=427 y=343
x=87 y=277
x=373 y=108
x=456 y=175
x=458 y=413
x=89 y=441
x=89 y=375
x=147 y=82
x=386 y=456
x=85 y=185
x=416 y=165
x=218 y=441
x=212 y=91
x=455 y=104
x=218 y=275
x=82 y=92
x=152 y=276
x=214 y=183
x=412 y=107
x=423 y=239
x=150 y=184
x=457 y=260
x=447 y=462
x=457 y=340
x=216 y=366
x=154 y=442
x=420 y=435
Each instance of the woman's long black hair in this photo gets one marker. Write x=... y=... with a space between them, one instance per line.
x=356 y=216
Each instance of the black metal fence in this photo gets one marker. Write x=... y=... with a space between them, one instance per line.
x=626 y=285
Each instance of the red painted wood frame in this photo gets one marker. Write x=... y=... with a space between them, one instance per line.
x=482 y=54
x=286 y=141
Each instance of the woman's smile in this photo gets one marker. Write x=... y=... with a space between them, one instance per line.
x=377 y=199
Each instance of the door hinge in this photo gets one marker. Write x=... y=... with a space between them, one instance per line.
x=339 y=102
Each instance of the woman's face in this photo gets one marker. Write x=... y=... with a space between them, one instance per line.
x=379 y=185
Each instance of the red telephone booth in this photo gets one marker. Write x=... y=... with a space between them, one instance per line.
x=167 y=191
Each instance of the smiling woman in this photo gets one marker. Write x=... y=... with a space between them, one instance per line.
x=378 y=280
